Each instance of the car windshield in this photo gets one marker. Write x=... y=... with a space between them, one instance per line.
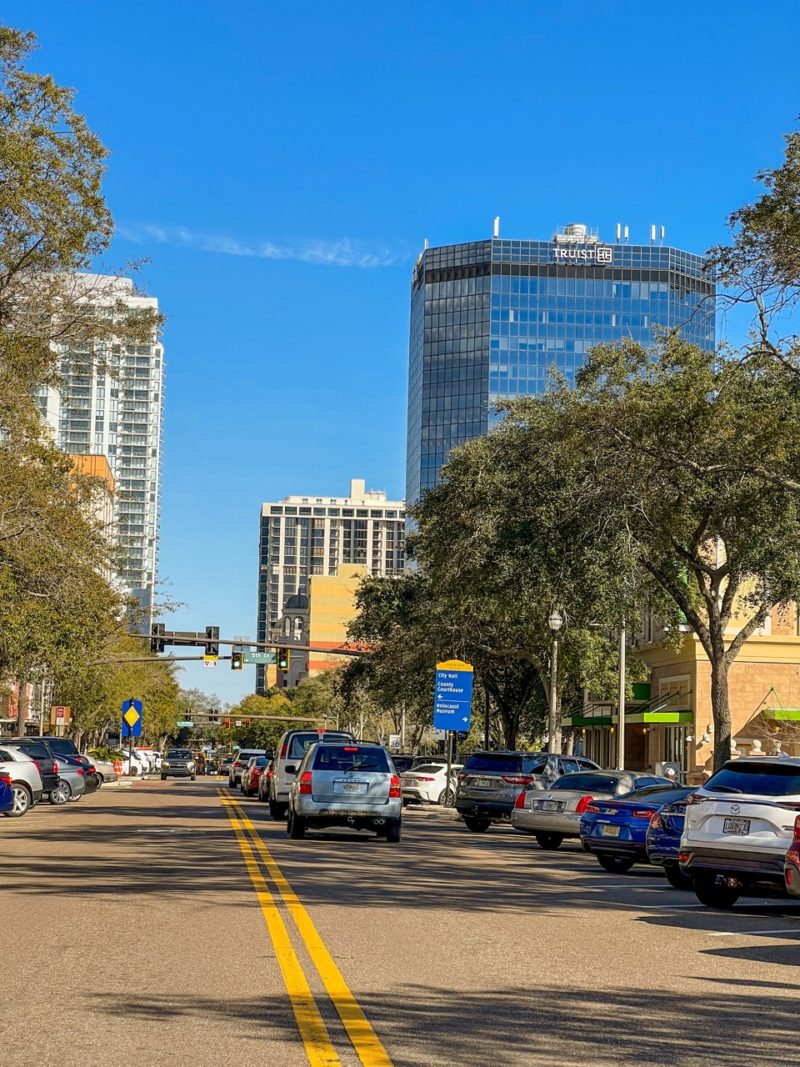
x=301 y=743
x=497 y=763
x=765 y=779
x=179 y=753
x=656 y=794
x=350 y=758
x=598 y=783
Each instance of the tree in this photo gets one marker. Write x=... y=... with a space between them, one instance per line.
x=259 y=733
x=660 y=447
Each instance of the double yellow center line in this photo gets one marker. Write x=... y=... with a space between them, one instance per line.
x=313 y=1031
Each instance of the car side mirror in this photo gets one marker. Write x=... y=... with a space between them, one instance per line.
x=291 y=769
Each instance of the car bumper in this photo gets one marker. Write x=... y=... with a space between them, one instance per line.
x=614 y=845
x=487 y=809
x=417 y=796
x=176 y=772
x=564 y=823
x=747 y=866
x=308 y=808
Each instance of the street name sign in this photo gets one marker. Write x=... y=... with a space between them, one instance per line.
x=452 y=700
x=184 y=722
x=131 y=718
x=260 y=657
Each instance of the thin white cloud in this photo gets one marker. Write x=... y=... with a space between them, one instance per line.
x=340 y=253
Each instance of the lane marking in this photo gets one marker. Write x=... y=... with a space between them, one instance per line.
x=365 y=1041
x=750 y=933
x=311 y=1025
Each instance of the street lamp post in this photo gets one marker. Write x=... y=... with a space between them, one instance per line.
x=555 y=622
x=621 y=701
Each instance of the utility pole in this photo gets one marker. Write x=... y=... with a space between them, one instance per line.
x=555 y=622
x=621 y=701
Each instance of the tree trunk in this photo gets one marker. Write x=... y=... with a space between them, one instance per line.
x=721 y=711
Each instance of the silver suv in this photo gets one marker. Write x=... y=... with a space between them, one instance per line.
x=490 y=782
x=738 y=828
x=346 y=783
x=26 y=782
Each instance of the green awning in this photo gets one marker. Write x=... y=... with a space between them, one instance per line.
x=782 y=714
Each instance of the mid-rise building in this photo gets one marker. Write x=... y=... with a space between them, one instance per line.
x=491 y=319
x=117 y=412
x=301 y=536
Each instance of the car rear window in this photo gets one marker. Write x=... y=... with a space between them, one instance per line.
x=657 y=794
x=350 y=758
x=599 y=783
x=62 y=746
x=498 y=763
x=34 y=749
x=301 y=743
x=767 y=779
x=431 y=768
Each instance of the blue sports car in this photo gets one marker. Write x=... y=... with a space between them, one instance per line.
x=6 y=795
x=664 y=841
x=616 y=830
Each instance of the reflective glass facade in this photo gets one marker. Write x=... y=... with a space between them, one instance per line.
x=491 y=319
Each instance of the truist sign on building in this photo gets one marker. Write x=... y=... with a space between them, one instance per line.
x=602 y=254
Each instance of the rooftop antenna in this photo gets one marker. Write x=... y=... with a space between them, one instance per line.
x=496 y=226
x=619 y=232
x=425 y=244
x=653 y=234
x=663 y=234
x=625 y=231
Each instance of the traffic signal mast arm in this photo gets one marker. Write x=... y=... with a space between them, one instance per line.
x=201 y=639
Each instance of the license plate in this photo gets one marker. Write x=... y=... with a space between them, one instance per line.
x=736 y=826
x=349 y=787
x=483 y=783
x=609 y=831
x=551 y=805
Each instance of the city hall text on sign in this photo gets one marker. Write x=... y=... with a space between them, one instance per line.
x=591 y=254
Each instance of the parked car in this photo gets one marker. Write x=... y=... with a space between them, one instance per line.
x=6 y=795
x=555 y=813
x=71 y=780
x=739 y=826
x=345 y=783
x=178 y=763
x=224 y=766
x=240 y=761
x=42 y=756
x=292 y=747
x=402 y=763
x=60 y=746
x=24 y=778
x=264 y=781
x=251 y=775
x=104 y=770
x=664 y=842
x=427 y=784
x=134 y=765
x=490 y=782
x=616 y=830
x=791 y=864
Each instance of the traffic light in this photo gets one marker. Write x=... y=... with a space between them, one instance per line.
x=283 y=659
x=247 y=722
x=237 y=660
x=157 y=637
x=226 y=722
x=212 y=640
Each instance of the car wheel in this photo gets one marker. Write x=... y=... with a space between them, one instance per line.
x=549 y=842
x=676 y=878
x=447 y=798
x=713 y=895
x=614 y=864
x=477 y=824
x=22 y=800
x=296 y=827
x=61 y=793
x=392 y=831
x=163 y=777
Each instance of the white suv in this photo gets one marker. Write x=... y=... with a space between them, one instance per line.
x=738 y=828
x=289 y=754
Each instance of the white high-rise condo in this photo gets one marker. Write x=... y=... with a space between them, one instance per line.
x=118 y=413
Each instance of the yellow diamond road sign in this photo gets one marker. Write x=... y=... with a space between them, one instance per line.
x=131 y=717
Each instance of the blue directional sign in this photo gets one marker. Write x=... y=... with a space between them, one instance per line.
x=452 y=701
x=131 y=718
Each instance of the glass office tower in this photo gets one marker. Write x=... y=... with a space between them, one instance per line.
x=491 y=319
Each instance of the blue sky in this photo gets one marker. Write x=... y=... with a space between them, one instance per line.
x=280 y=166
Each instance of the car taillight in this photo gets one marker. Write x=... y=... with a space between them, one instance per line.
x=797 y=826
x=642 y=813
x=462 y=775
x=792 y=856
x=283 y=750
x=5 y=778
x=592 y=809
x=305 y=783
x=583 y=805
x=424 y=778
x=519 y=803
x=394 y=787
x=683 y=857
x=696 y=798
x=655 y=821
x=80 y=770
x=55 y=766
x=518 y=779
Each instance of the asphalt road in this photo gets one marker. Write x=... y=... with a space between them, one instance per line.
x=165 y=925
